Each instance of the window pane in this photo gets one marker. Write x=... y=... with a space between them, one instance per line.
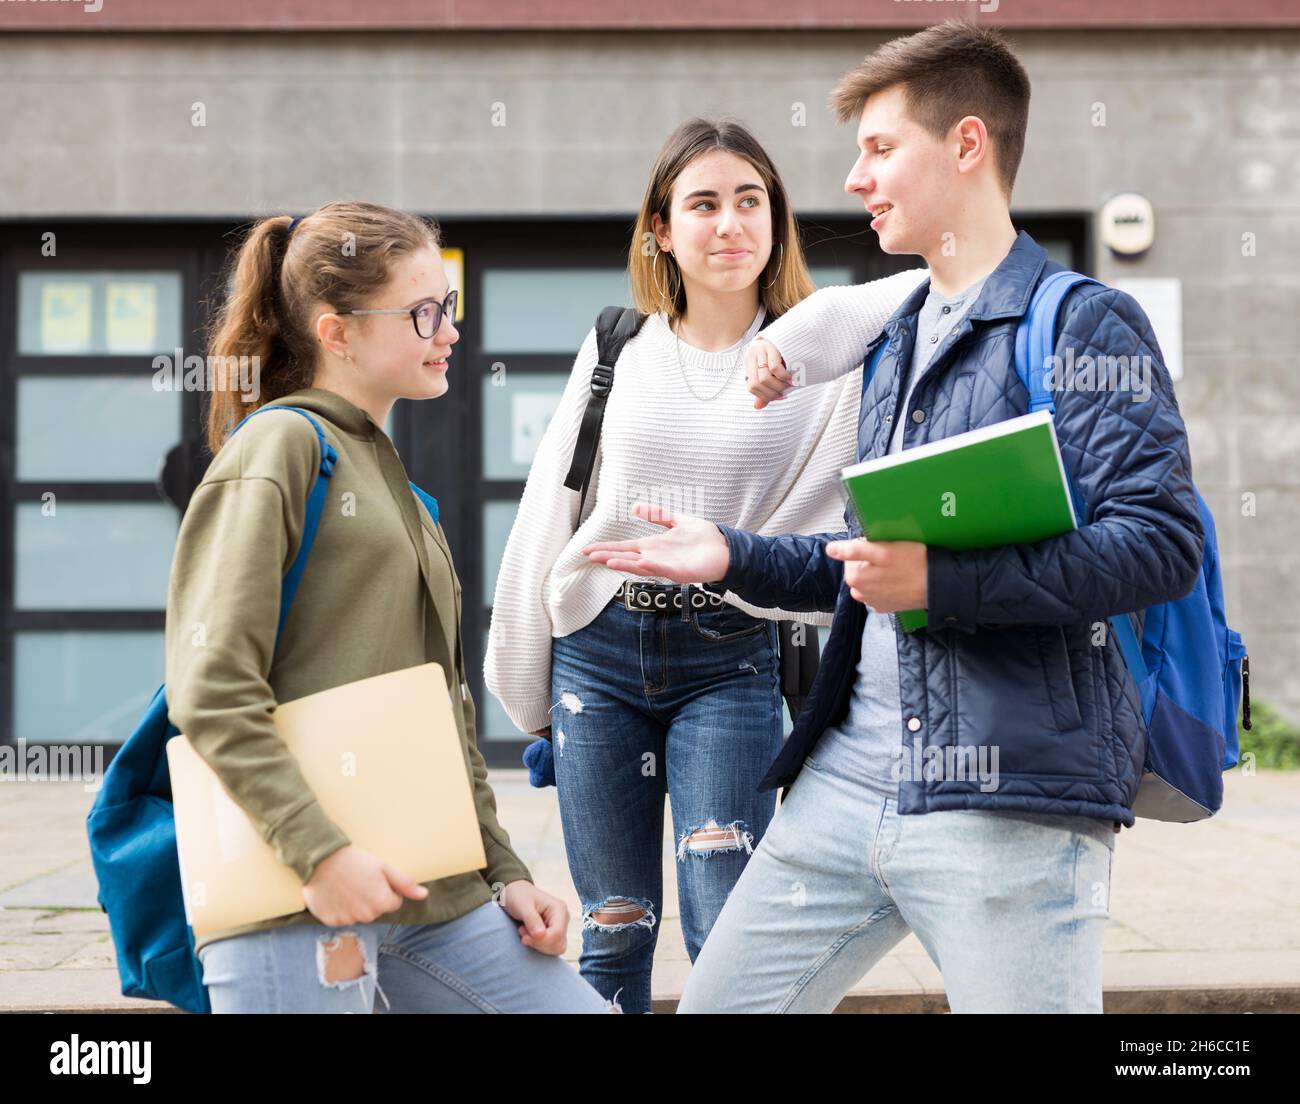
x=515 y=415
x=547 y=310
x=98 y=313
x=93 y=555
x=1058 y=251
x=94 y=428
x=84 y=687
x=498 y=517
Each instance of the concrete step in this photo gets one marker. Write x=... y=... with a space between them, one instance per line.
x=97 y=990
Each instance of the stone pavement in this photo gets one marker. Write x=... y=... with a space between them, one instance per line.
x=1204 y=916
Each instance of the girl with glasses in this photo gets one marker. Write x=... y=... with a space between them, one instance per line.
x=342 y=335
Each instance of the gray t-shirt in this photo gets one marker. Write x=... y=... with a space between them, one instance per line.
x=865 y=746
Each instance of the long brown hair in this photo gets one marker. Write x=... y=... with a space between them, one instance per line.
x=338 y=255
x=786 y=271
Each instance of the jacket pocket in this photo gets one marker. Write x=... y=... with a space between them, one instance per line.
x=1055 y=657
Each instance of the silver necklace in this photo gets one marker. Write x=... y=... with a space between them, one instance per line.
x=740 y=355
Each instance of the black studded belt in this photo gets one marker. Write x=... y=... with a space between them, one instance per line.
x=661 y=597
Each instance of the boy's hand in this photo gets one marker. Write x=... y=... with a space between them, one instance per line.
x=765 y=373
x=543 y=919
x=691 y=551
x=885 y=576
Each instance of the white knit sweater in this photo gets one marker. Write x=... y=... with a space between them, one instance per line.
x=770 y=471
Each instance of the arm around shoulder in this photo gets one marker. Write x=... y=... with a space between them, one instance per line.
x=826 y=336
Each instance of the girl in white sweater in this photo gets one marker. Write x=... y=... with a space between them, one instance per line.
x=671 y=688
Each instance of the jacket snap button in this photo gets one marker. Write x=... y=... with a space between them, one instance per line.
x=889 y=417
x=918 y=415
x=913 y=724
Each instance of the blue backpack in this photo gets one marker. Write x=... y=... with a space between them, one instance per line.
x=1190 y=667
x=132 y=824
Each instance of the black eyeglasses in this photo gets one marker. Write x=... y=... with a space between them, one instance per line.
x=426 y=317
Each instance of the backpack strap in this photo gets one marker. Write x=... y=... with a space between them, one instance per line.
x=430 y=503
x=1036 y=335
x=1035 y=346
x=872 y=361
x=614 y=327
x=315 y=507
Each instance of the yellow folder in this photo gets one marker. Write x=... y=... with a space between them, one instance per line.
x=382 y=756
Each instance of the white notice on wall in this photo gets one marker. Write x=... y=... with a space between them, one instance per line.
x=1162 y=299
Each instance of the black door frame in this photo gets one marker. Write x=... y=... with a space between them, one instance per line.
x=82 y=245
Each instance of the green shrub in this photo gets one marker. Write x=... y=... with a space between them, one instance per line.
x=1273 y=740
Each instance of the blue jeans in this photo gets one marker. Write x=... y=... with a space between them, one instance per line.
x=647 y=703
x=474 y=963
x=1011 y=911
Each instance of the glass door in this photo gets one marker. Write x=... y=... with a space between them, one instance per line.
x=91 y=412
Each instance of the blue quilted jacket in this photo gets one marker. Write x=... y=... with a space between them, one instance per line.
x=1008 y=657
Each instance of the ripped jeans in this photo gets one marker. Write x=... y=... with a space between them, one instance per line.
x=647 y=703
x=1011 y=907
x=474 y=963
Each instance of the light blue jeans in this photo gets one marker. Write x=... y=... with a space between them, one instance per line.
x=474 y=963
x=1011 y=911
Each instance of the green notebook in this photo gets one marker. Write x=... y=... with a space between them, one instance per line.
x=1000 y=484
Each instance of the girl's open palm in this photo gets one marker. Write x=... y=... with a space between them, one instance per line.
x=691 y=550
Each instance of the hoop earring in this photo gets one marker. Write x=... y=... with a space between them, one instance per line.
x=777 y=273
x=654 y=274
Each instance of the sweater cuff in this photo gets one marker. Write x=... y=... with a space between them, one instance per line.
x=306 y=838
x=800 y=348
x=530 y=715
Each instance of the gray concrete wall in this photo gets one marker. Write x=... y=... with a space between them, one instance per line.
x=1204 y=123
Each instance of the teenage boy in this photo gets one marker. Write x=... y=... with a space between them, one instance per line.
x=1005 y=876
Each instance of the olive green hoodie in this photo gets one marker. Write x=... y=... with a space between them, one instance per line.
x=379 y=594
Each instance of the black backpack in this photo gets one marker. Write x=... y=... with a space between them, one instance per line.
x=614 y=326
